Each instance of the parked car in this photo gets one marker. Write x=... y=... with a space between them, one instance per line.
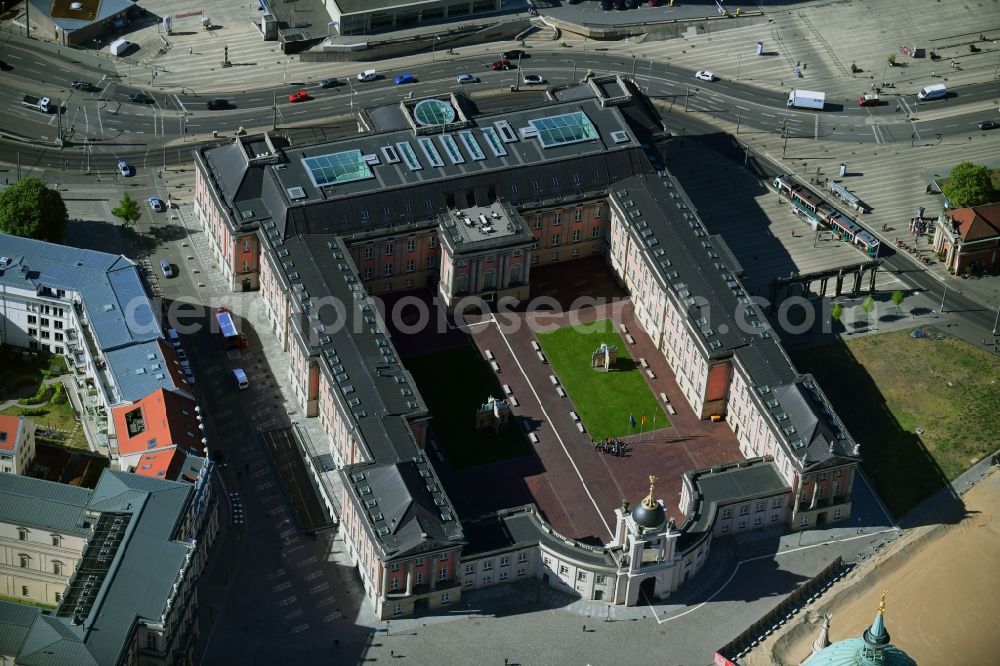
x=987 y=124
x=534 y=80
x=515 y=54
x=156 y=204
x=403 y=79
x=501 y=65
x=168 y=272
x=124 y=169
x=467 y=78
x=216 y=104
x=85 y=86
x=331 y=82
x=140 y=98
x=705 y=75
x=299 y=96
x=631 y=4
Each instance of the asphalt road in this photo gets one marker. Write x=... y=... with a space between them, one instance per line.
x=103 y=126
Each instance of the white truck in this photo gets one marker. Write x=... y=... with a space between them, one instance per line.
x=119 y=46
x=806 y=99
x=40 y=103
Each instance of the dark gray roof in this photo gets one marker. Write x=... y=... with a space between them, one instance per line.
x=15 y=623
x=395 y=194
x=521 y=526
x=722 y=485
x=704 y=283
x=403 y=506
x=35 y=503
x=148 y=560
x=348 y=337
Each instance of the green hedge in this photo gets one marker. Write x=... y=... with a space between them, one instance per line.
x=42 y=395
x=32 y=411
x=59 y=395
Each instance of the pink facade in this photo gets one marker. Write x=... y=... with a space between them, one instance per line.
x=401 y=262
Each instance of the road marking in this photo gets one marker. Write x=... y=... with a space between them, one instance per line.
x=764 y=557
x=875 y=134
x=555 y=431
x=180 y=104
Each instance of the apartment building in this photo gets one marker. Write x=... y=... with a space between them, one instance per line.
x=120 y=565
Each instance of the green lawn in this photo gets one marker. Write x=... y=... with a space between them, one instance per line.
x=886 y=386
x=454 y=384
x=604 y=400
x=56 y=416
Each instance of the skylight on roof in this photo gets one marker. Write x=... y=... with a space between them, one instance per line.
x=472 y=146
x=451 y=148
x=564 y=129
x=336 y=168
x=431 y=152
x=493 y=139
x=410 y=157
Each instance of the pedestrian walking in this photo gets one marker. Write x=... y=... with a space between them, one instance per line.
x=584 y=628
x=191 y=50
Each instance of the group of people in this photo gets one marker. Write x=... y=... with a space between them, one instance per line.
x=615 y=447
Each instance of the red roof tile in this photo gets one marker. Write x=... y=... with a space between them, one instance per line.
x=161 y=464
x=10 y=427
x=160 y=420
x=977 y=222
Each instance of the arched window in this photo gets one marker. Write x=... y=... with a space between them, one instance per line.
x=515 y=272
x=490 y=279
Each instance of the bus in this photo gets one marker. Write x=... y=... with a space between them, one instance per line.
x=227 y=329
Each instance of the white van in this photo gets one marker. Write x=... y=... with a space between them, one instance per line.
x=120 y=46
x=936 y=91
x=367 y=75
x=241 y=378
x=168 y=270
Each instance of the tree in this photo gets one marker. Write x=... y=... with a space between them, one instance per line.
x=968 y=185
x=837 y=311
x=868 y=305
x=31 y=209
x=128 y=210
x=897 y=298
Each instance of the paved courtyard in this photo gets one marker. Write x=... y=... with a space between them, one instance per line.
x=576 y=487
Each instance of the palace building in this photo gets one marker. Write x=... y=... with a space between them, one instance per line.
x=430 y=197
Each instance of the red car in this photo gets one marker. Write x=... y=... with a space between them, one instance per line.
x=868 y=99
x=501 y=64
x=299 y=96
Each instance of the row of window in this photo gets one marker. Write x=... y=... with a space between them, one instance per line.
x=44 y=321
x=470 y=568
x=25 y=560
x=411 y=245
x=390 y=269
x=760 y=506
x=33 y=333
x=22 y=535
x=53 y=310
x=502 y=575
x=445 y=600
x=418 y=579
x=26 y=592
x=742 y=524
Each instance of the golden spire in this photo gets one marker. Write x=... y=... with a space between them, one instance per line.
x=881 y=604
x=649 y=502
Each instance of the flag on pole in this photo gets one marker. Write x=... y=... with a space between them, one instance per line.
x=631 y=420
x=643 y=419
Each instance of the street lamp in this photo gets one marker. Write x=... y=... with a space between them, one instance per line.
x=437 y=38
x=739 y=62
